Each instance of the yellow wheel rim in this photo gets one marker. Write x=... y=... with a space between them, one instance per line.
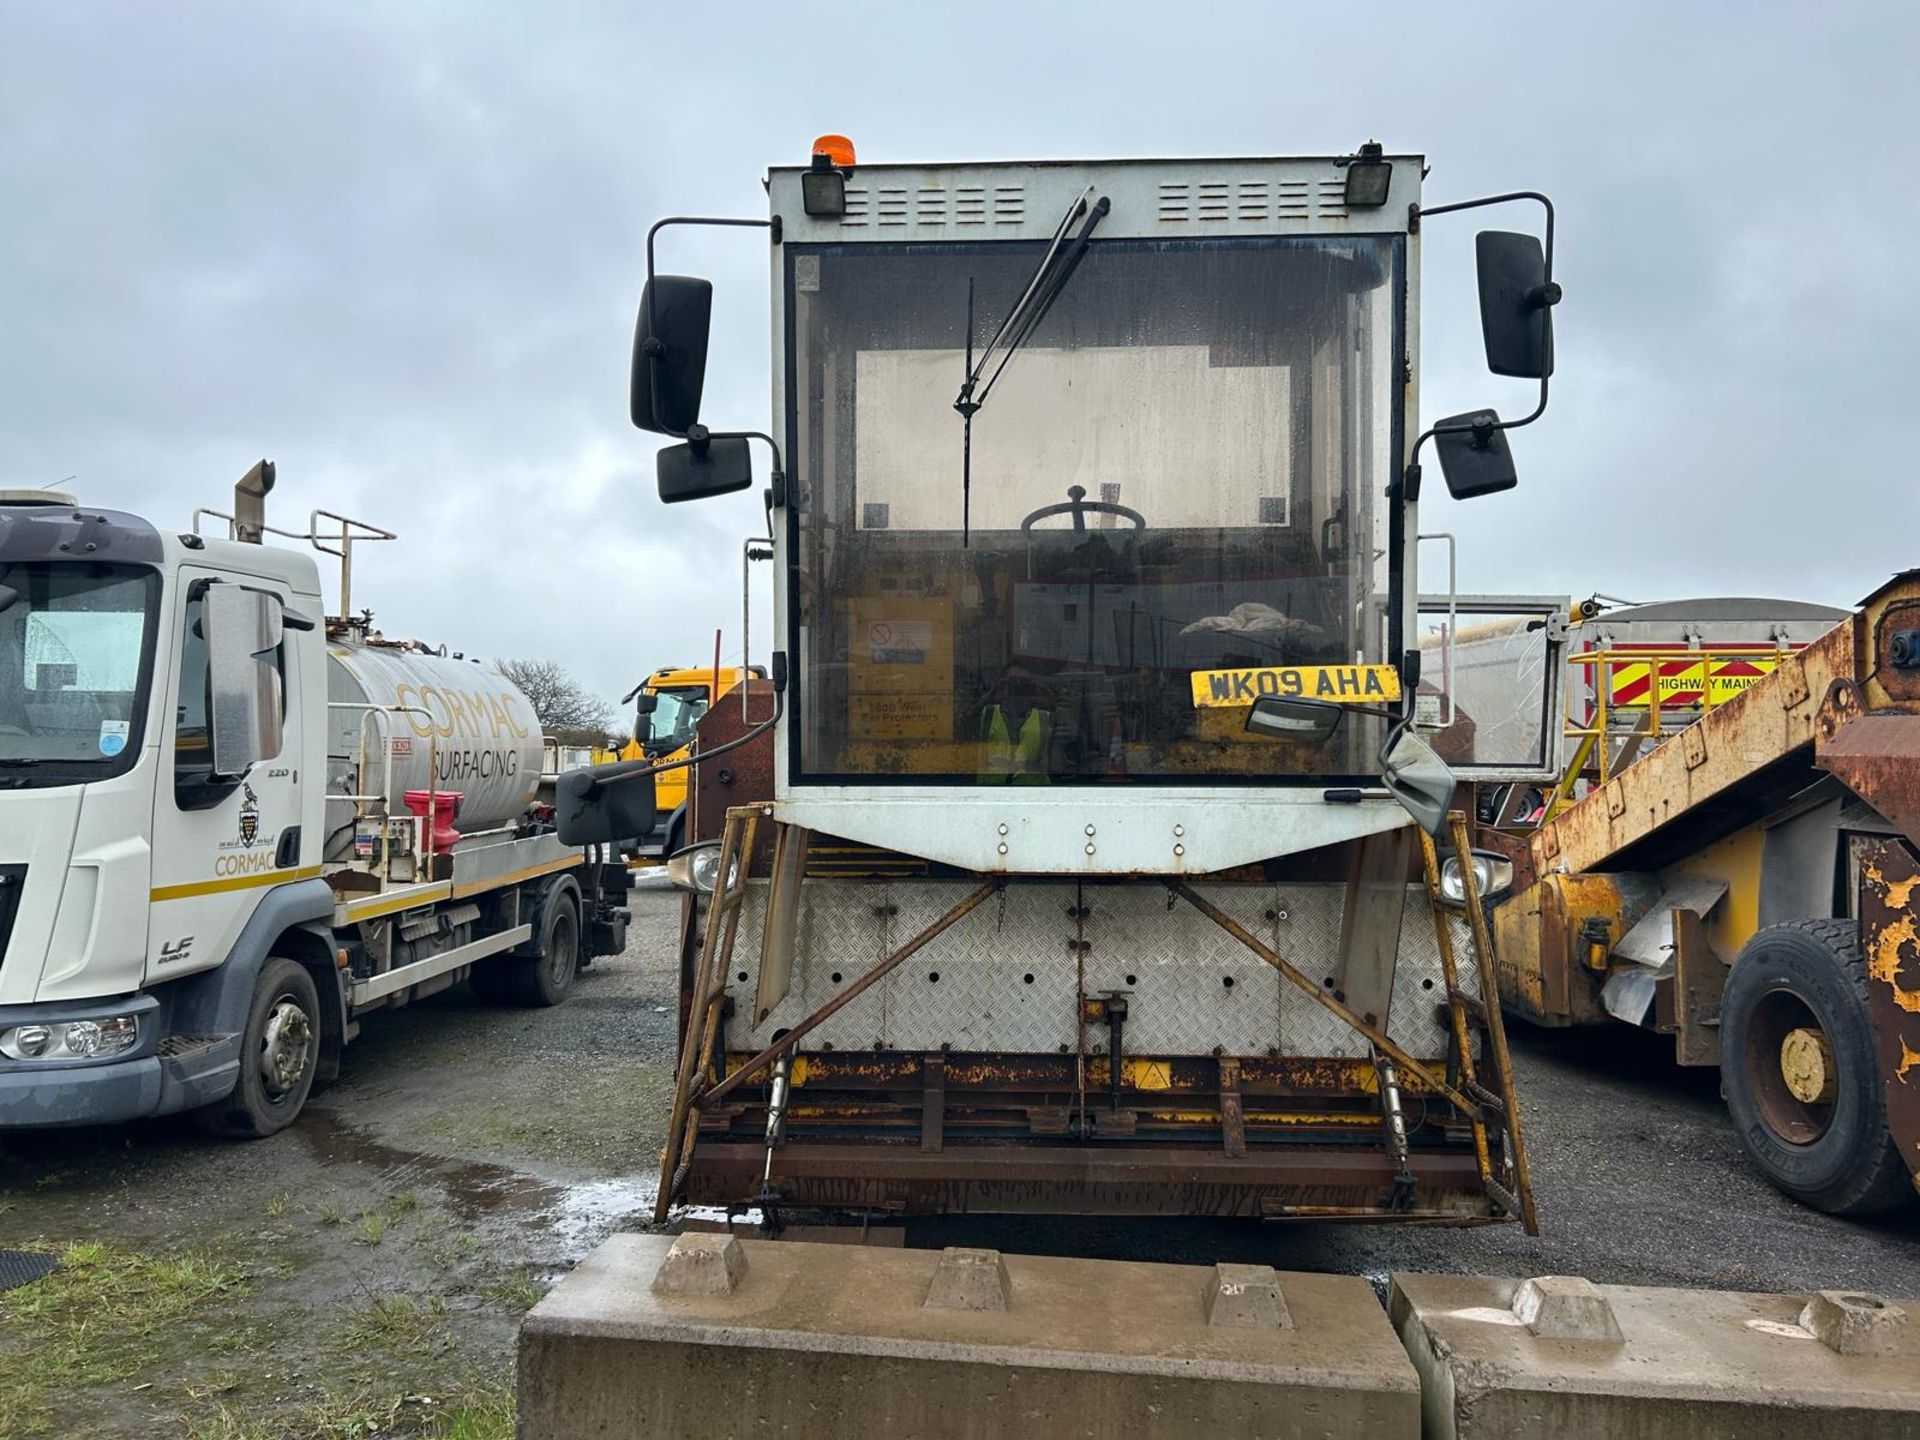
x=1806 y=1064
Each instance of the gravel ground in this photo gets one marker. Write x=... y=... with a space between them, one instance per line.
x=387 y=1244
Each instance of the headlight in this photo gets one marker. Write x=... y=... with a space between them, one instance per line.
x=696 y=868
x=72 y=1039
x=1492 y=877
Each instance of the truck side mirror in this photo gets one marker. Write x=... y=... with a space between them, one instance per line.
x=1474 y=455
x=1285 y=717
x=589 y=811
x=1516 y=304
x=242 y=629
x=1417 y=777
x=645 y=703
x=704 y=466
x=670 y=353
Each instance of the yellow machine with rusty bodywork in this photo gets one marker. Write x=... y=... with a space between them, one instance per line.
x=1750 y=886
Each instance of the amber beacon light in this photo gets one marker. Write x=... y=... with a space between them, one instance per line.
x=823 y=189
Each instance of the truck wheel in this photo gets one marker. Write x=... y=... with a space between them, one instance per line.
x=279 y=1053
x=545 y=978
x=1798 y=1069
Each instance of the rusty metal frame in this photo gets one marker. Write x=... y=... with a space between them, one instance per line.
x=1890 y=945
x=1495 y=1026
x=709 y=990
x=1375 y=1035
x=714 y=1093
x=1318 y=1183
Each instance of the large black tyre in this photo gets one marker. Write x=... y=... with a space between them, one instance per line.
x=1796 y=998
x=279 y=1054
x=546 y=978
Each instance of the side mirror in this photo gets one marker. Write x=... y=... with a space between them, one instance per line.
x=645 y=703
x=588 y=812
x=1283 y=717
x=1516 y=304
x=1417 y=777
x=242 y=629
x=1474 y=455
x=698 y=469
x=670 y=353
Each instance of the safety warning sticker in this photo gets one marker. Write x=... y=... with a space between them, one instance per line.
x=1341 y=684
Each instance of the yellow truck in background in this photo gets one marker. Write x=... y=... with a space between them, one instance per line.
x=667 y=705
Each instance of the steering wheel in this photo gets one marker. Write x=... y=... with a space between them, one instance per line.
x=1079 y=506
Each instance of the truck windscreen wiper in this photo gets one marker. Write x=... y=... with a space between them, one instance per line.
x=1056 y=267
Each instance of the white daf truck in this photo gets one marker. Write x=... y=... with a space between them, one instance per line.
x=231 y=824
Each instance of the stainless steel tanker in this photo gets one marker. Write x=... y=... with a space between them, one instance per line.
x=451 y=725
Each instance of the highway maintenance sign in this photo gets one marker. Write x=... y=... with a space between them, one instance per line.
x=1713 y=678
x=1340 y=684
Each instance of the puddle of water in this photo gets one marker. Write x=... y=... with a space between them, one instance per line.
x=581 y=1216
x=473 y=1188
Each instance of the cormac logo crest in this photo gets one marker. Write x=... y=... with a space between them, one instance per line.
x=249 y=814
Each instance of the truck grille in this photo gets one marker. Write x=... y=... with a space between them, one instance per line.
x=13 y=883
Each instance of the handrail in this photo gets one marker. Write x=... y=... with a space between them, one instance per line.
x=1652 y=711
x=350 y=531
x=423 y=833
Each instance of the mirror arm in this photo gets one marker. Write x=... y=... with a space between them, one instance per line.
x=654 y=349
x=1544 y=296
x=699 y=437
x=615 y=774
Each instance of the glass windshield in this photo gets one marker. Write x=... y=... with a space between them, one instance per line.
x=1182 y=470
x=74 y=642
x=674 y=713
x=1486 y=688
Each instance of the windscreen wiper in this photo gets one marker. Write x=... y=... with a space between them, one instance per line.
x=1063 y=257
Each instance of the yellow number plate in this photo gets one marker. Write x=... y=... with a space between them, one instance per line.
x=1341 y=684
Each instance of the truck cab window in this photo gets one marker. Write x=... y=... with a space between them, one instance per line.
x=675 y=713
x=192 y=740
x=74 y=644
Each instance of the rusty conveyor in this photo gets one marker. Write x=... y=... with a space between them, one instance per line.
x=1812 y=714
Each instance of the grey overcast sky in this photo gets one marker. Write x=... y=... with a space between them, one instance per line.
x=397 y=248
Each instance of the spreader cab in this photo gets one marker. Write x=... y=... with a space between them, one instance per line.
x=1099 y=480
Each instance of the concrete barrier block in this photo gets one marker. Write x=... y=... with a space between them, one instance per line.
x=1247 y=1296
x=701 y=1265
x=1854 y=1323
x=969 y=1280
x=1694 y=1364
x=835 y=1341
x=1565 y=1307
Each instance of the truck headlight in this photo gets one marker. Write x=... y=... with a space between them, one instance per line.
x=1492 y=877
x=72 y=1039
x=696 y=867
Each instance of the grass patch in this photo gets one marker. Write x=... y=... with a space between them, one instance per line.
x=398 y=1324
x=330 y=1213
x=486 y=1413
x=96 y=1321
x=518 y=1292
x=278 y=1207
x=372 y=1227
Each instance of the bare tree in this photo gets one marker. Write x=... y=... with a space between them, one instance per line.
x=567 y=709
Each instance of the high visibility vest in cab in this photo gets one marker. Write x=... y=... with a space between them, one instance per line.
x=1015 y=757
